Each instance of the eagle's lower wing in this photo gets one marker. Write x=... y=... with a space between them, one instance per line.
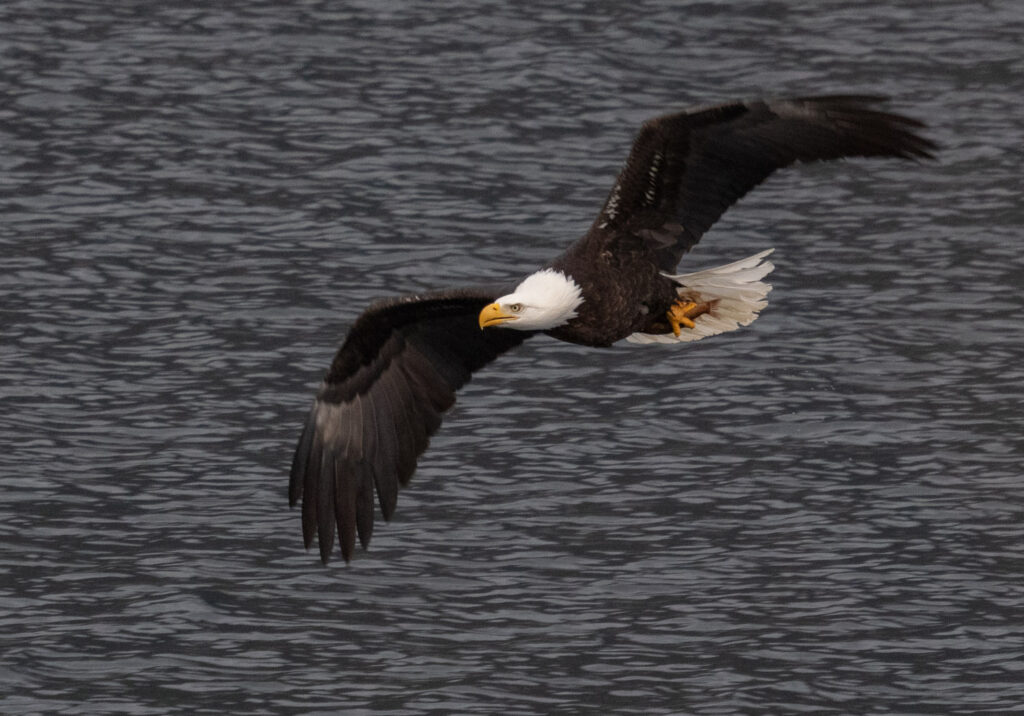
x=381 y=400
x=686 y=169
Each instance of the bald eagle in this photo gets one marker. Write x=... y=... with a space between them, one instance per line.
x=403 y=359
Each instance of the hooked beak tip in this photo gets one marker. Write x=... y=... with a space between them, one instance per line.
x=492 y=315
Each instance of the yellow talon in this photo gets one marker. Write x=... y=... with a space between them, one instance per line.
x=682 y=313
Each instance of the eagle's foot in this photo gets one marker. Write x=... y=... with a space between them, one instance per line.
x=683 y=312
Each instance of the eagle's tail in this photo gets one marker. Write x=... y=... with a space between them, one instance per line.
x=734 y=293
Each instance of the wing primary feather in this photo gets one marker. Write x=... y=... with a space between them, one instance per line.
x=385 y=456
x=311 y=490
x=364 y=504
x=325 y=505
x=300 y=461
x=351 y=441
x=370 y=454
x=345 y=506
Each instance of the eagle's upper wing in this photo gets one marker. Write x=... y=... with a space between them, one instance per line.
x=381 y=400
x=686 y=169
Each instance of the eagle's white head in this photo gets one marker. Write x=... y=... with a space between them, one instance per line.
x=544 y=300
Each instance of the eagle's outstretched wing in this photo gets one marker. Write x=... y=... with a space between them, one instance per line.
x=381 y=400
x=686 y=169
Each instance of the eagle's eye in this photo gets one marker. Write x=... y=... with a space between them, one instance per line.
x=516 y=307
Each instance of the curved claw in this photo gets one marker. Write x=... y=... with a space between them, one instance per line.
x=682 y=313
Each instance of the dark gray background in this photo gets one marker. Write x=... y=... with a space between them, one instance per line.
x=821 y=513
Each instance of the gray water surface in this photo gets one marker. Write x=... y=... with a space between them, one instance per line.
x=823 y=513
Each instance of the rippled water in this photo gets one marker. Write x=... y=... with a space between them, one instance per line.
x=820 y=514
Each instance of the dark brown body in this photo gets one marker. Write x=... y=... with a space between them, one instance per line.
x=624 y=291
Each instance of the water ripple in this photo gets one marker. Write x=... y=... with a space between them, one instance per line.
x=819 y=514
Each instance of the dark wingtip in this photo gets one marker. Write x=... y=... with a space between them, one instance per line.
x=895 y=133
x=923 y=148
x=300 y=460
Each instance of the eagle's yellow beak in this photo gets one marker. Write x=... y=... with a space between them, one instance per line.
x=492 y=315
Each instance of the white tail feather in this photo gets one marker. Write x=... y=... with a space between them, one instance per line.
x=736 y=288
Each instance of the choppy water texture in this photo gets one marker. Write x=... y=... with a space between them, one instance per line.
x=820 y=514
